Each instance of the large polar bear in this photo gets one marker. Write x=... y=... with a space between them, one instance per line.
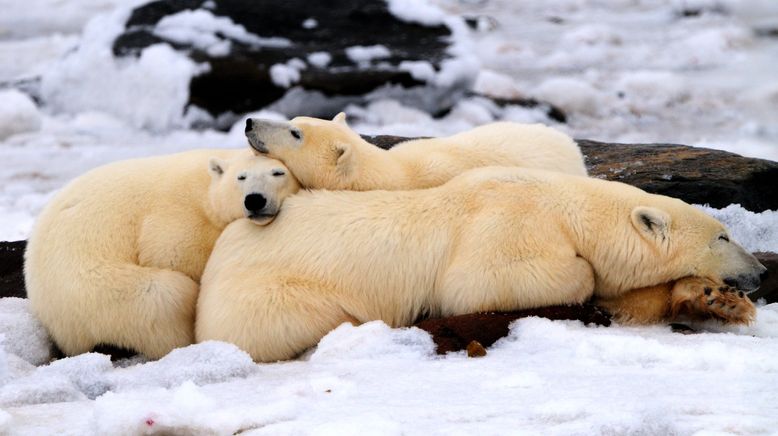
x=490 y=239
x=326 y=154
x=116 y=257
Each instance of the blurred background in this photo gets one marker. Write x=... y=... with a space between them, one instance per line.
x=84 y=82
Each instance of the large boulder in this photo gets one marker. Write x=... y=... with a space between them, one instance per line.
x=307 y=58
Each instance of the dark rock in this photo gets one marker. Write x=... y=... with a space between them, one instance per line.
x=769 y=288
x=240 y=81
x=457 y=332
x=12 y=269
x=695 y=175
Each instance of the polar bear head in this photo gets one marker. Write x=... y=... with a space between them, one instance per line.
x=686 y=238
x=250 y=186
x=321 y=153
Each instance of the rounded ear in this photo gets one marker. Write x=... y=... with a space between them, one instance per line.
x=343 y=158
x=216 y=167
x=340 y=118
x=651 y=223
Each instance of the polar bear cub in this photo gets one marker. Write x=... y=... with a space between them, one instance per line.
x=326 y=154
x=116 y=257
x=492 y=239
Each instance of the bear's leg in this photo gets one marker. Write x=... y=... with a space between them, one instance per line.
x=271 y=320
x=703 y=298
x=145 y=309
x=512 y=285
x=648 y=305
x=694 y=297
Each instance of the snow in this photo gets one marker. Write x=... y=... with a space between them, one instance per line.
x=287 y=74
x=364 y=54
x=319 y=59
x=18 y=114
x=622 y=70
x=91 y=79
x=551 y=377
x=204 y=31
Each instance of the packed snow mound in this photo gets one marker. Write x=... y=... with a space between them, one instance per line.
x=371 y=340
x=18 y=114
x=24 y=336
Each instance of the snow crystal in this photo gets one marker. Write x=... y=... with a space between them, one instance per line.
x=23 y=334
x=366 y=53
x=205 y=31
x=319 y=59
x=18 y=114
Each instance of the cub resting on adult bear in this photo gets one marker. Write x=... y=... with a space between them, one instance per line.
x=493 y=239
x=325 y=154
x=116 y=256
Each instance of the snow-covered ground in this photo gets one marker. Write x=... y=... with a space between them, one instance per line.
x=546 y=377
x=622 y=70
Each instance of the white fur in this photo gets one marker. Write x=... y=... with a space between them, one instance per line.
x=116 y=257
x=329 y=155
x=491 y=239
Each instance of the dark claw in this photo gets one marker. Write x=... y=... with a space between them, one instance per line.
x=708 y=291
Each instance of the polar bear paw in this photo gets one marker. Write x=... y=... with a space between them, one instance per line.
x=703 y=298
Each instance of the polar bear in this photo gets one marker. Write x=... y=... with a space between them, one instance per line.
x=492 y=239
x=116 y=257
x=326 y=154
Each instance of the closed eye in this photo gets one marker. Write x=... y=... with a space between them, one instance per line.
x=724 y=238
x=278 y=173
x=295 y=133
x=242 y=177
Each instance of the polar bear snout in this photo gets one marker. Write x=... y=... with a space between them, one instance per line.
x=254 y=203
x=258 y=209
x=748 y=282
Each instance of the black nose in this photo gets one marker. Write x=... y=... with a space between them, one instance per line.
x=249 y=125
x=254 y=202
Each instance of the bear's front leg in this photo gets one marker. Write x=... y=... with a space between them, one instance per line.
x=703 y=298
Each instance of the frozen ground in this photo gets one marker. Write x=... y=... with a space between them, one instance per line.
x=623 y=70
x=546 y=377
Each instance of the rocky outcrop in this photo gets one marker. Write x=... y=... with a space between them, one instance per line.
x=695 y=175
x=300 y=57
x=11 y=269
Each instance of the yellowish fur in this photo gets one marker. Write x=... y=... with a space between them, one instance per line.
x=329 y=155
x=117 y=255
x=491 y=239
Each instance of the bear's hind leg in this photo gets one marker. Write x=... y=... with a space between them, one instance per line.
x=271 y=320
x=146 y=309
